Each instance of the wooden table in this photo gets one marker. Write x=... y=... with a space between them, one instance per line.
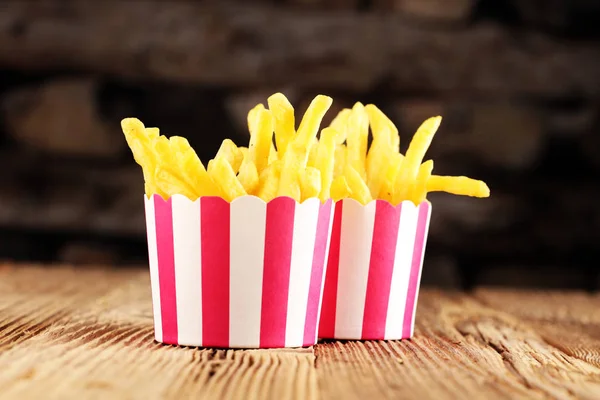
x=69 y=333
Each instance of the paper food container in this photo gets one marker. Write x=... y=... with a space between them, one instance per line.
x=245 y=274
x=374 y=270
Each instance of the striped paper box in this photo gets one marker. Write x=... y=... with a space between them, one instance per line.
x=245 y=274
x=374 y=270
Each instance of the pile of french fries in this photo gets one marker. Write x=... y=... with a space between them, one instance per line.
x=280 y=160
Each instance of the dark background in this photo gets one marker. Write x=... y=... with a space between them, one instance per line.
x=518 y=84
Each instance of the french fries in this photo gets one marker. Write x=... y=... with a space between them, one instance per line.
x=282 y=161
x=357 y=137
x=283 y=113
x=231 y=153
x=381 y=171
x=358 y=187
x=340 y=189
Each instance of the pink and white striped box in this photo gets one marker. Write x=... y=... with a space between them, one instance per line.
x=245 y=274
x=374 y=270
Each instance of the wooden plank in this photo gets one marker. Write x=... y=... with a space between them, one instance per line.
x=462 y=349
x=67 y=333
x=569 y=321
x=73 y=333
x=232 y=43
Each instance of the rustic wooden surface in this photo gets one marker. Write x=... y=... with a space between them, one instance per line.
x=69 y=333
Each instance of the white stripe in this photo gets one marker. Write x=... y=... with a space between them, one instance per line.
x=414 y=314
x=153 y=262
x=306 y=217
x=355 y=254
x=325 y=259
x=188 y=269
x=401 y=271
x=246 y=258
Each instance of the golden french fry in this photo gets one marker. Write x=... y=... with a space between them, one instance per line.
x=414 y=156
x=340 y=160
x=378 y=161
x=253 y=117
x=418 y=191
x=248 y=176
x=459 y=185
x=165 y=152
x=151 y=186
x=149 y=190
x=269 y=181
x=312 y=153
x=293 y=164
x=199 y=177
x=231 y=153
x=171 y=184
x=190 y=167
x=340 y=124
x=340 y=189
x=139 y=142
x=225 y=178
x=285 y=128
x=168 y=173
x=142 y=148
x=244 y=151
x=178 y=145
x=381 y=126
x=273 y=155
x=325 y=160
x=357 y=140
x=382 y=148
x=395 y=142
x=387 y=195
x=391 y=172
x=162 y=148
x=360 y=190
x=152 y=133
x=310 y=183
x=375 y=161
x=261 y=140
x=309 y=126
x=134 y=131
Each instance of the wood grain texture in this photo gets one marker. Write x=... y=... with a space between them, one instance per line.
x=461 y=346
x=67 y=333
x=72 y=333
x=570 y=322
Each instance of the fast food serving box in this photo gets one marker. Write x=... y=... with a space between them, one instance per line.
x=245 y=274
x=374 y=270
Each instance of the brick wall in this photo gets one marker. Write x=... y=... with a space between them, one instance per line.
x=518 y=84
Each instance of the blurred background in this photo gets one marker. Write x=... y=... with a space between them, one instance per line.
x=517 y=82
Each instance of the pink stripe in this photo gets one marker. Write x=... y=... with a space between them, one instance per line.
x=215 y=271
x=328 y=307
x=279 y=234
x=166 y=268
x=381 y=266
x=415 y=270
x=316 y=277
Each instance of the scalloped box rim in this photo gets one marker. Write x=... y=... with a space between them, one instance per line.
x=311 y=199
